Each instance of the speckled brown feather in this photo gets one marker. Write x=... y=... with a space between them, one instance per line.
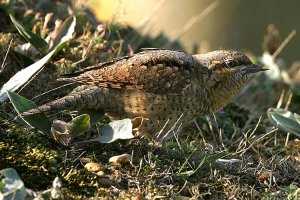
x=146 y=71
x=162 y=87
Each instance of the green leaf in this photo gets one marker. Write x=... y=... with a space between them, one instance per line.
x=39 y=120
x=21 y=77
x=35 y=40
x=297 y=117
x=95 y=115
x=21 y=58
x=78 y=125
x=284 y=120
x=115 y=130
x=14 y=187
x=295 y=88
x=2 y=185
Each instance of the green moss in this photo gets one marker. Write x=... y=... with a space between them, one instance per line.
x=38 y=160
x=30 y=153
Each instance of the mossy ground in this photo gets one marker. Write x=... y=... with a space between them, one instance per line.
x=186 y=166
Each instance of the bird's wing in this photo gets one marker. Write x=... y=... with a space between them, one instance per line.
x=94 y=67
x=159 y=71
x=159 y=49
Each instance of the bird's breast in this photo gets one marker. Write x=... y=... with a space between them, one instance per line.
x=133 y=104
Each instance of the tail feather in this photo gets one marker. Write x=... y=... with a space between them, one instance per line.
x=65 y=103
x=80 y=97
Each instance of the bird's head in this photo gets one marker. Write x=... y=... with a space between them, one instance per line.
x=230 y=65
x=228 y=71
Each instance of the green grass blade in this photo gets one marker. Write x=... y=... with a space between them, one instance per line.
x=21 y=77
x=35 y=40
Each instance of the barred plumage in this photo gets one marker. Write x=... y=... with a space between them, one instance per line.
x=162 y=86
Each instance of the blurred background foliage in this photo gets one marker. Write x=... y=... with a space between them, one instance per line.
x=234 y=24
x=253 y=27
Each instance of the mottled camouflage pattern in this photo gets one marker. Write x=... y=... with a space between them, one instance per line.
x=163 y=87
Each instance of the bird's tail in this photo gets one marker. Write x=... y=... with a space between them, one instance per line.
x=79 y=98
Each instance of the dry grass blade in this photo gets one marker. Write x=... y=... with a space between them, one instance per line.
x=288 y=101
x=284 y=43
x=54 y=89
x=5 y=57
x=255 y=141
x=147 y=18
x=196 y=18
x=200 y=131
x=279 y=103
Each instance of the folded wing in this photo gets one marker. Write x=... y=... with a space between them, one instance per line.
x=153 y=70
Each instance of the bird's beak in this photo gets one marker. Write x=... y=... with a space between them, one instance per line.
x=256 y=68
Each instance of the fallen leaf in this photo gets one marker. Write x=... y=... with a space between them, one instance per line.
x=14 y=186
x=139 y=197
x=63 y=33
x=120 y=129
x=297 y=117
x=60 y=133
x=228 y=161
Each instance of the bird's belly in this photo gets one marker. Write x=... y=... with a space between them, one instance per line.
x=159 y=111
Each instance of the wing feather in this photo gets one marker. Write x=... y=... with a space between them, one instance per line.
x=155 y=70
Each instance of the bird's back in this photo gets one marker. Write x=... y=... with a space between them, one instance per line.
x=156 y=71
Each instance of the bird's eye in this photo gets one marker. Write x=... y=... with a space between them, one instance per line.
x=230 y=63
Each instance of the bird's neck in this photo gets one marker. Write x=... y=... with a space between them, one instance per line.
x=221 y=91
